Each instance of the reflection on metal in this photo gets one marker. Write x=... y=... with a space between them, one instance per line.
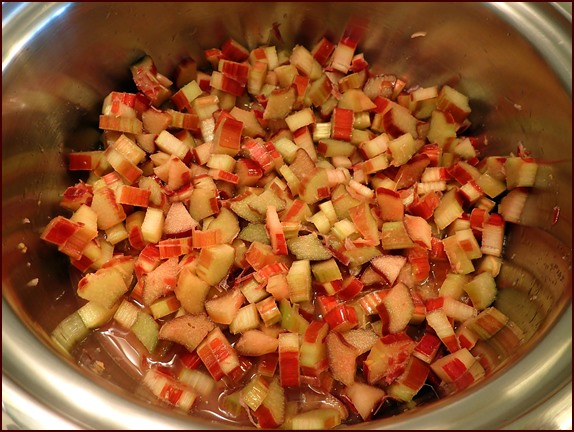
x=484 y=49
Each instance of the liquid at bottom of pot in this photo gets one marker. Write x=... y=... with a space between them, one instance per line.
x=112 y=346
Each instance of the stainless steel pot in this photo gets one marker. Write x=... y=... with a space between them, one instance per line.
x=59 y=60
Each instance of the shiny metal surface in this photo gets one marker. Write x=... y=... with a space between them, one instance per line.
x=59 y=60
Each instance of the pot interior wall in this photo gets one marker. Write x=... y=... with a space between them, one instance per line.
x=55 y=82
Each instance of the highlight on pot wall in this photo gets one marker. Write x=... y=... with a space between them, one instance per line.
x=296 y=215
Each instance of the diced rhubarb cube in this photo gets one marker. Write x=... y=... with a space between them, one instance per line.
x=411 y=381
x=289 y=373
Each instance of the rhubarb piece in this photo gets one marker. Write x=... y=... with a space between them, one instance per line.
x=165 y=306
x=313 y=351
x=191 y=291
x=198 y=381
x=308 y=247
x=442 y=128
x=160 y=281
x=411 y=381
x=467 y=338
x=228 y=225
x=396 y=309
x=342 y=358
x=255 y=391
x=289 y=374
x=493 y=236
x=459 y=261
x=488 y=323
x=224 y=308
x=256 y=343
x=146 y=329
x=452 y=308
x=94 y=314
x=394 y=235
x=454 y=102
x=169 y=390
x=520 y=172
x=388 y=266
x=247 y=318
x=214 y=263
x=364 y=398
x=512 y=205
x=481 y=290
x=291 y=319
x=326 y=271
x=218 y=355
x=270 y=313
x=109 y=212
x=323 y=418
x=147 y=80
x=365 y=222
x=427 y=347
x=187 y=330
x=70 y=331
x=103 y=287
x=248 y=171
x=178 y=222
x=459 y=368
x=280 y=103
x=152 y=225
x=439 y=322
x=388 y=358
x=299 y=281
x=315 y=187
x=275 y=231
x=227 y=136
x=398 y=122
x=390 y=205
x=271 y=412
x=342 y=318
x=355 y=100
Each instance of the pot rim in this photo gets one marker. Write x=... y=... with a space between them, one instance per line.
x=31 y=402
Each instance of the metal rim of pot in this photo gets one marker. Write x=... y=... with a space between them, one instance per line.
x=33 y=402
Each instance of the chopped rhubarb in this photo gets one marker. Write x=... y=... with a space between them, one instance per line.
x=291 y=227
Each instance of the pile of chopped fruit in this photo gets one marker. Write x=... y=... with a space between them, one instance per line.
x=289 y=221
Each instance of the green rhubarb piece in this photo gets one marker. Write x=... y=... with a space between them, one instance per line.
x=326 y=271
x=227 y=223
x=395 y=236
x=255 y=232
x=242 y=208
x=265 y=200
x=94 y=315
x=291 y=320
x=299 y=280
x=361 y=255
x=308 y=247
x=146 y=330
x=481 y=290
x=69 y=332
